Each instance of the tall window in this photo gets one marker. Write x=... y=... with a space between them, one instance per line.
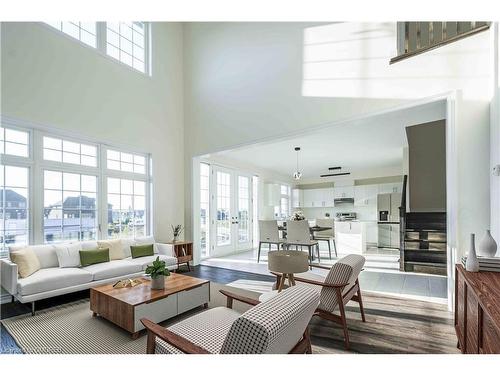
x=80 y=198
x=223 y=206
x=125 y=42
x=204 y=209
x=14 y=214
x=70 y=206
x=85 y=32
x=243 y=209
x=126 y=208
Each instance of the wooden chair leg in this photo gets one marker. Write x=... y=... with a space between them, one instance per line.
x=258 y=254
x=343 y=319
x=307 y=337
x=360 y=301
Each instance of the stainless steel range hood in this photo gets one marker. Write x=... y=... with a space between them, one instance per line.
x=340 y=201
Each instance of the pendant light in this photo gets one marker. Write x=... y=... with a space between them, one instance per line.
x=297 y=175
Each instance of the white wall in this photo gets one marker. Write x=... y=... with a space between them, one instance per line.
x=248 y=81
x=53 y=80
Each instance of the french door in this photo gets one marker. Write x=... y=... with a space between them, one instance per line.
x=231 y=211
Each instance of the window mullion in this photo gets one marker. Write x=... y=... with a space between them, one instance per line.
x=101 y=36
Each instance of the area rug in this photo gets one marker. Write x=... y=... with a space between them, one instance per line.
x=393 y=326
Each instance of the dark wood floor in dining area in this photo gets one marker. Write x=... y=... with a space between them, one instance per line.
x=393 y=325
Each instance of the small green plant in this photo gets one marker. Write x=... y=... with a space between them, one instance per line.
x=177 y=230
x=157 y=269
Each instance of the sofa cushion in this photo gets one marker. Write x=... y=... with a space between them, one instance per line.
x=146 y=261
x=26 y=260
x=114 y=268
x=68 y=254
x=126 y=243
x=115 y=248
x=165 y=249
x=47 y=279
x=207 y=330
x=46 y=254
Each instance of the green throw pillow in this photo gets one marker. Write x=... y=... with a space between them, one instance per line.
x=142 y=251
x=88 y=257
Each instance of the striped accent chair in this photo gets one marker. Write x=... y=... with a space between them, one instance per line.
x=276 y=326
x=340 y=286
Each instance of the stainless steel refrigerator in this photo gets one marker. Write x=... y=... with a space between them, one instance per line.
x=388 y=219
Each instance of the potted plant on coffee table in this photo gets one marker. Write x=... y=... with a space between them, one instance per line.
x=157 y=270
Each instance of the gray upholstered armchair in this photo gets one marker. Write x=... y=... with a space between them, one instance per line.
x=340 y=285
x=278 y=325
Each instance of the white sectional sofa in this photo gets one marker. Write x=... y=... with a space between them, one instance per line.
x=52 y=280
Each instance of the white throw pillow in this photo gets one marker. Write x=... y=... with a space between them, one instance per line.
x=115 y=248
x=26 y=260
x=68 y=254
x=165 y=249
x=126 y=243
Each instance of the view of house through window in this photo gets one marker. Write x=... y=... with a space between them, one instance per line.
x=70 y=208
x=14 y=214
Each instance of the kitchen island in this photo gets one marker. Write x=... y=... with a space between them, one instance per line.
x=350 y=237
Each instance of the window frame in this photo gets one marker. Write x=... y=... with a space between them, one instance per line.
x=37 y=165
x=101 y=42
x=22 y=162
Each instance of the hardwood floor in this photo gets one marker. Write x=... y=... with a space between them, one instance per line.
x=393 y=325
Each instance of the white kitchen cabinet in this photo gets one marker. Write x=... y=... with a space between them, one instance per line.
x=318 y=198
x=297 y=198
x=273 y=194
x=394 y=187
x=365 y=195
x=343 y=192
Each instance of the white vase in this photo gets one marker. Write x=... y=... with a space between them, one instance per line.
x=472 y=264
x=487 y=247
x=158 y=282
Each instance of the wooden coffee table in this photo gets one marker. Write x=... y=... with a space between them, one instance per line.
x=126 y=306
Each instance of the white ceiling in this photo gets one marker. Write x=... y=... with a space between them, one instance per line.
x=373 y=143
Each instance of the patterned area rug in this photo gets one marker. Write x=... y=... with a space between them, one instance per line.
x=393 y=326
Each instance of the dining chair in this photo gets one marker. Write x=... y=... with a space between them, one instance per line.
x=269 y=234
x=327 y=235
x=299 y=234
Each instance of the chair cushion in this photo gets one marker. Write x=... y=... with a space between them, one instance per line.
x=345 y=271
x=55 y=278
x=46 y=254
x=274 y=326
x=114 y=268
x=207 y=330
x=143 y=262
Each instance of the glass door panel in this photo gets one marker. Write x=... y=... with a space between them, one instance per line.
x=223 y=220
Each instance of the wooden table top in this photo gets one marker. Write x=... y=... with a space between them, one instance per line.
x=143 y=293
x=179 y=242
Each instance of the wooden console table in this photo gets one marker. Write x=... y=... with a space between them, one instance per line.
x=477 y=311
x=183 y=250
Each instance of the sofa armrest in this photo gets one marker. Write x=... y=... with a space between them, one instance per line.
x=8 y=272
x=165 y=249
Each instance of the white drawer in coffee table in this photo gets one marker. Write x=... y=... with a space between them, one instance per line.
x=189 y=299
x=156 y=311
